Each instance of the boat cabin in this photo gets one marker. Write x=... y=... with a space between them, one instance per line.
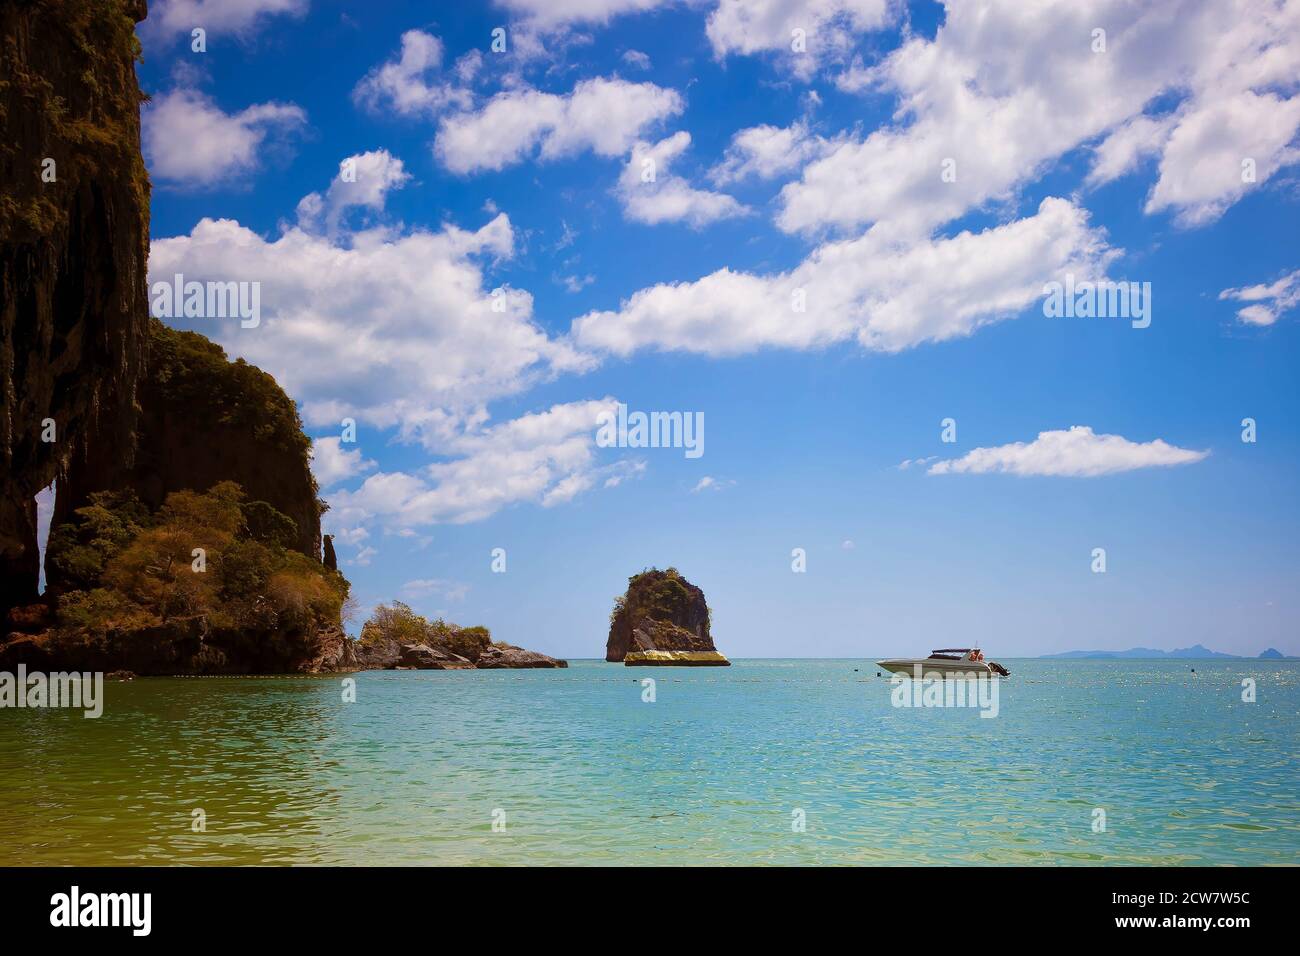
x=957 y=654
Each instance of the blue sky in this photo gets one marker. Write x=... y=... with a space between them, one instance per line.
x=820 y=171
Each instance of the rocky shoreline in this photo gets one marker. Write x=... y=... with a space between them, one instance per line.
x=397 y=638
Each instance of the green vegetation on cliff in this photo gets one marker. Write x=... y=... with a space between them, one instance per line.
x=189 y=371
x=210 y=554
x=660 y=595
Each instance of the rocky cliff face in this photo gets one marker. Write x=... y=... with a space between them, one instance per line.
x=203 y=420
x=661 y=612
x=74 y=218
x=159 y=444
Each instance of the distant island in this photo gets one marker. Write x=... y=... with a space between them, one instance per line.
x=1196 y=651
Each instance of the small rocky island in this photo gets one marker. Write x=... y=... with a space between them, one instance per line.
x=663 y=619
x=396 y=638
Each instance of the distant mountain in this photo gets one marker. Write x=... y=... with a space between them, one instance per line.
x=1196 y=651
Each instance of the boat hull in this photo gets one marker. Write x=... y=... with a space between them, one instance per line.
x=929 y=667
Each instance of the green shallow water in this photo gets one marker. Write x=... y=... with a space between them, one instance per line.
x=708 y=774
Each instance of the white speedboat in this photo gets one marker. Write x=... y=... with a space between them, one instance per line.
x=946 y=662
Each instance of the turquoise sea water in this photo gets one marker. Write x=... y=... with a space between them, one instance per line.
x=710 y=773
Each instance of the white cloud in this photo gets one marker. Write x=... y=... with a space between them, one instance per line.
x=709 y=483
x=363 y=181
x=1127 y=145
x=637 y=59
x=397 y=330
x=217 y=16
x=651 y=194
x=847 y=545
x=352 y=536
x=886 y=294
x=910 y=462
x=985 y=94
x=552 y=15
x=332 y=463
x=189 y=140
x=1267 y=302
x=765 y=152
x=363 y=557
x=450 y=590
x=545 y=457
x=1076 y=453
x=602 y=115
x=405 y=85
x=760 y=26
x=1201 y=171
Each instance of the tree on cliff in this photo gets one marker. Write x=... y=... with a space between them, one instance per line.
x=210 y=564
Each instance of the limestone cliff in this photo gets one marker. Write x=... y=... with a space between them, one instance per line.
x=74 y=224
x=662 y=619
x=203 y=420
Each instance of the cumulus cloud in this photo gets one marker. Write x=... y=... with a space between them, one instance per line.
x=217 y=16
x=410 y=85
x=1074 y=453
x=651 y=194
x=554 y=14
x=885 y=294
x=983 y=94
x=1266 y=302
x=765 y=152
x=398 y=330
x=363 y=181
x=1127 y=146
x=332 y=463
x=544 y=457
x=189 y=140
x=829 y=28
x=1201 y=168
x=605 y=116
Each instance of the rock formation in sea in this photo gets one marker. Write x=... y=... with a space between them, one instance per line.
x=74 y=224
x=662 y=619
x=398 y=637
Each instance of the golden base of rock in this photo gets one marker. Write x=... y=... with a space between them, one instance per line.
x=676 y=658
